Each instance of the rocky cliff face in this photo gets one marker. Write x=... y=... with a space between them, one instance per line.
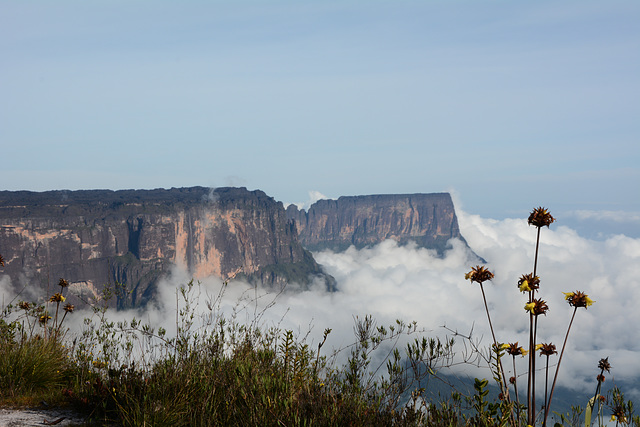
x=427 y=219
x=97 y=237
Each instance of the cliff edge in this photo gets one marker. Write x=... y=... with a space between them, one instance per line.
x=133 y=237
x=429 y=220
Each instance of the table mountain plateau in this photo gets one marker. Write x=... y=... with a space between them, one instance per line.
x=132 y=237
x=429 y=220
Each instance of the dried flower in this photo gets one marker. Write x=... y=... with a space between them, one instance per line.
x=600 y=378
x=69 y=308
x=63 y=283
x=57 y=297
x=24 y=305
x=604 y=365
x=528 y=282
x=514 y=350
x=537 y=306
x=512 y=380
x=478 y=274
x=44 y=319
x=1 y=261
x=540 y=217
x=548 y=349
x=578 y=299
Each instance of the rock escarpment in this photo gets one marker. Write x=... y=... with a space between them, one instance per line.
x=133 y=237
x=429 y=220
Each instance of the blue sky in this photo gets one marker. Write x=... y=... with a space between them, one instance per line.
x=509 y=105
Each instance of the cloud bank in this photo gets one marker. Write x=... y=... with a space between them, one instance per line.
x=409 y=283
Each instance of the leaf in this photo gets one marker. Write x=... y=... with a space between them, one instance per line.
x=587 y=412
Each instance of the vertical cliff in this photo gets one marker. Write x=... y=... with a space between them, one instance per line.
x=96 y=237
x=427 y=219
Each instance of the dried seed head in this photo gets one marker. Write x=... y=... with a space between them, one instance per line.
x=604 y=365
x=478 y=274
x=578 y=299
x=548 y=349
x=540 y=217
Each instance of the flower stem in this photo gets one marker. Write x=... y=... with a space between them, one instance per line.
x=546 y=385
x=515 y=388
x=503 y=383
x=531 y=397
x=555 y=377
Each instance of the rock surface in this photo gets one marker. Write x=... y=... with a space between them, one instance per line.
x=98 y=237
x=429 y=220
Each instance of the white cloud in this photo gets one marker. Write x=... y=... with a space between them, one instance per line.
x=314 y=196
x=409 y=283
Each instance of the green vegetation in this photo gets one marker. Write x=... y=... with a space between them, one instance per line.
x=214 y=369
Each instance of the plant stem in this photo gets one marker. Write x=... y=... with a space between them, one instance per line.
x=555 y=377
x=503 y=384
x=515 y=387
x=546 y=384
x=531 y=398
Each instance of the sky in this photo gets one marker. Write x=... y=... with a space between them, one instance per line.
x=510 y=105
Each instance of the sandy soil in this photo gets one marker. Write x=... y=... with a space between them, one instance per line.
x=39 y=417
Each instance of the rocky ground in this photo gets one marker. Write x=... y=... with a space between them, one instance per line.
x=39 y=417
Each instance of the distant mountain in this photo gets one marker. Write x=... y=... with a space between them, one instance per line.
x=429 y=220
x=96 y=237
x=132 y=237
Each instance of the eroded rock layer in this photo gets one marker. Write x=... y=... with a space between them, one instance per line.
x=132 y=237
x=429 y=220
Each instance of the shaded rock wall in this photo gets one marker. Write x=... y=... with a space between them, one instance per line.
x=132 y=237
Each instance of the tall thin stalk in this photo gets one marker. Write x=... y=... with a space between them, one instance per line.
x=503 y=384
x=555 y=377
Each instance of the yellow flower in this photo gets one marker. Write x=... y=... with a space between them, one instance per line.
x=528 y=282
x=537 y=307
x=57 y=297
x=578 y=299
x=538 y=347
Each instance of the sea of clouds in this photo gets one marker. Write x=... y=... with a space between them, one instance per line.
x=409 y=283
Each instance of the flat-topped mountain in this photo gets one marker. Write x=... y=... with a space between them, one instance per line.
x=429 y=220
x=132 y=237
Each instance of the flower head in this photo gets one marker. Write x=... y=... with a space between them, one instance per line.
x=528 y=283
x=69 y=308
x=24 y=305
x=578 y=299
x=63 y=283
x=57 y=297
x=44 y=319
x=600 y=378
x=540 y=217
x=514 y=350
x=537 y=307
x=478 y=274
x=604 y=365
x=548 y=349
